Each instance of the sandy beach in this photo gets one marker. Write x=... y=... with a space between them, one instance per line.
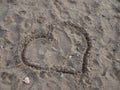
x=59 y=44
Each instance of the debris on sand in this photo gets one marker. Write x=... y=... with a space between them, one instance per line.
x=26 y=80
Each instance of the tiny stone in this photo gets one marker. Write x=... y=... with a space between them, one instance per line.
x=62 y=75
x=49 y=55
x=77 y=54
x=1 y=46
x=26 y=80
x=70 y=57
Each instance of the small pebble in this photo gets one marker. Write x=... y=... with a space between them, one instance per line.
x=70 y=57
x=26 y=80
x=1 y=47
x=49 y=55
x=62 y=75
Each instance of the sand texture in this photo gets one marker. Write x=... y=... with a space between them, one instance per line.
x=59 y=44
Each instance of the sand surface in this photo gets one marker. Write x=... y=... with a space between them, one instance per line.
x=59 y=44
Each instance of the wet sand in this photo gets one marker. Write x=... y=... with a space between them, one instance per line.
x=59 y=44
